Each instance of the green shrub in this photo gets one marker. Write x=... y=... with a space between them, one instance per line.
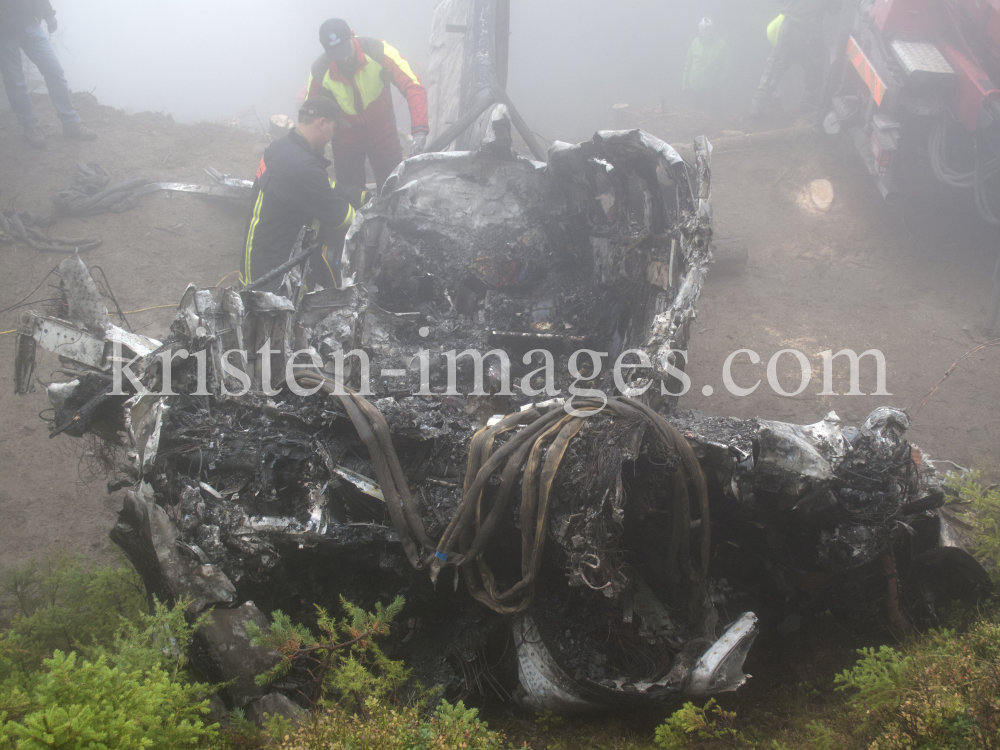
x=81 y=704
x=985 y=505
x=710 y=722
x=943 y=690
x=383 y=727
x=344 y=660
x=83 y=666
x=154 y=641
x=355 y=686
x=64 y=604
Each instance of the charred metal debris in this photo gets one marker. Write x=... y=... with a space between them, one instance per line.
x=570 y=562
x=90 y=195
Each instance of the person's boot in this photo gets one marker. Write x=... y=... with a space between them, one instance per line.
x=79 y=131
x=34 y=136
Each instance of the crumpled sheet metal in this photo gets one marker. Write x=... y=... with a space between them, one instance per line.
x=87 y=338
x=64 y=339
x=86 y=307
x=443 y=79
x=176 y=568
x=809 y=451
x=823 y=509
x=144 y=421
x=625 y=201
x=720 y=669
x=77 y=343
x=546 y=685
x=682 y=261
x=621 y=216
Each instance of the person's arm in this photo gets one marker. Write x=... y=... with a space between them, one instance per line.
x=310 y=192
x=409 y=85
x=44 y=11
x=316 y=75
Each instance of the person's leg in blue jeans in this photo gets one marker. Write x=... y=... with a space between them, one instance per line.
x=13 y=81
x=35 y=43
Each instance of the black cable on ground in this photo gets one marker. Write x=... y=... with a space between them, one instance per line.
x=23 y=301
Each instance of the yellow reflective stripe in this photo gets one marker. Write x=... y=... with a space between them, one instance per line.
x=245 y=276
x=393 y=54
x=347 y=219
x=369 y=82
x=342 y=93
x=333 y=276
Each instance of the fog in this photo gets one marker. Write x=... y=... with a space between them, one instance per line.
x=248 y=59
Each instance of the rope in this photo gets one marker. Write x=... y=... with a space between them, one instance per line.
x=550 y=436
x=539 y=448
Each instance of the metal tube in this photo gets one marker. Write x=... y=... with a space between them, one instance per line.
x=520 y=124
x=280 y=270
x=446 y=138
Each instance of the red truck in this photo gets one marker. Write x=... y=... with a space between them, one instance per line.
x=922 y=76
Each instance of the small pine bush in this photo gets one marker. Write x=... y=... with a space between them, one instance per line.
x=344 y=659
x=985 y=506
x=84 y=667
x=81 y=704
x=941 y=691
x=710 y=722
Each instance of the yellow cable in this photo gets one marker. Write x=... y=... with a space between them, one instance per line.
x=146 y=309
x=225 y=277
x=161 y=307
x=12 y=330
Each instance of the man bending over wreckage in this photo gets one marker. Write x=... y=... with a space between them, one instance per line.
x=293 y=190
x=356 y=72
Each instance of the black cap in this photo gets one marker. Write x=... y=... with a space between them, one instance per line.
x=320 y=106
x=335 y=36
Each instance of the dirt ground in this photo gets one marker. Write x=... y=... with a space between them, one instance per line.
x=912 y=280
x=49 y=501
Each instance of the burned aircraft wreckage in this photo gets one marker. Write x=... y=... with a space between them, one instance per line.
x=570 y=561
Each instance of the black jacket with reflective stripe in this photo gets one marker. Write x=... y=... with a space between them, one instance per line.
x=807 y=15
x=292 y=190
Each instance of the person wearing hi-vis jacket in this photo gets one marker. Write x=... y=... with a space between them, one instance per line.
x=797 y=40
x=356 y=72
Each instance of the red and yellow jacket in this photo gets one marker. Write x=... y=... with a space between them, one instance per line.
x=365 y=99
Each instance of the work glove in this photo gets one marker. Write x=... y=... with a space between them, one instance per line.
x=357 y=197
x=52 y=24
x=419 y=141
